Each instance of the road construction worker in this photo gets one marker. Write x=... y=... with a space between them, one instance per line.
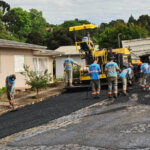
x=94 y=71
x=10 y=83
x=148 y=78
x=111 y=71
x=68 y=71
x=123 y=75
x=144 y=71
x=89 y=43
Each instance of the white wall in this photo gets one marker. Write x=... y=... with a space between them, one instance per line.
x=7 y=65
x=60 y=64
x=139 y=46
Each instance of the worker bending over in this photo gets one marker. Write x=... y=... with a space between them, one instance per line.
x=148 y=78
x=111 y=71
x=123 y=75
x=10 y=83
x=94 y=71
x=145 y=75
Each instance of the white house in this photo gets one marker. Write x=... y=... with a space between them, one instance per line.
x=66 y=50
x=13 y=55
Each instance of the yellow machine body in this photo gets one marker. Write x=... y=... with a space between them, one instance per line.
x=101 y=55
x=83 y=27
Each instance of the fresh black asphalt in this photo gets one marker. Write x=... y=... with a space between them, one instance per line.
x=43 y=112
x=50 y=109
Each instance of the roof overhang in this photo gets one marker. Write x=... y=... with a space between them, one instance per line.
x=36 y=52
x=46 y=53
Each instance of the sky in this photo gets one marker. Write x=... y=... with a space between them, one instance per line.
x=95 y=11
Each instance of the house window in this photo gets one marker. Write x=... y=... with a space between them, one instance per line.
x=19 y=62
x=40 y=64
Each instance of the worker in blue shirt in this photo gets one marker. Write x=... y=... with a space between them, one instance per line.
x=123 y=75
x=144 y=72
x=111 y=71
x=148 y=89
x=94 y=71
x=68 y=71
x=10 y=83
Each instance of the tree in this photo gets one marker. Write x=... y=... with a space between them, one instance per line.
x=38 y=28
x=59 y=37
x=18 y=22
x=35 y=38
x=108 y=39
x=4 y=34
x=4 y=6
x=144 y=21
x=103 y=26
x=75 y=22
x=35 y=80
x=116 y=22
x=131 y=20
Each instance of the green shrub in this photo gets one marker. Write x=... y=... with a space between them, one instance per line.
x=35 y=80
x=53 y=85
x=58 y=79
x=2 y=91
x=76 y=71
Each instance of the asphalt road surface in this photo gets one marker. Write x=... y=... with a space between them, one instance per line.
x=43 y=112
x=120 y=124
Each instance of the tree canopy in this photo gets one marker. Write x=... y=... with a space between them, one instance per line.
x=109 y=37
x=18 y=22
x=38 y=26
x=31 y=27
x=4 y=6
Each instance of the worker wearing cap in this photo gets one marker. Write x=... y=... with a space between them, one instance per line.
x=88 y=41
x=111 y=71
x=144 y=71
x=10 y=83
x=123 y=75
x=94 y=70
x=68 y=71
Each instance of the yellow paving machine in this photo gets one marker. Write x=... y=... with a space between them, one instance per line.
x=87 y=51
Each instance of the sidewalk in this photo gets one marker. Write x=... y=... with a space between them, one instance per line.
x=25 y=98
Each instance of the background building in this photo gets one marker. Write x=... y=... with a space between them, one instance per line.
x=66 y=50
x=13 y=55
x=140 y=47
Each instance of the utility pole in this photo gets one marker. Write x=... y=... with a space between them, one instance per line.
x=119 y=39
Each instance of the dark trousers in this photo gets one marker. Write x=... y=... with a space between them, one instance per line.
x=95 y=86
x=112 y=85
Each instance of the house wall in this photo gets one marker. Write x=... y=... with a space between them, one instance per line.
x=60 y=64
x=140 y=47
x=7 y=65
